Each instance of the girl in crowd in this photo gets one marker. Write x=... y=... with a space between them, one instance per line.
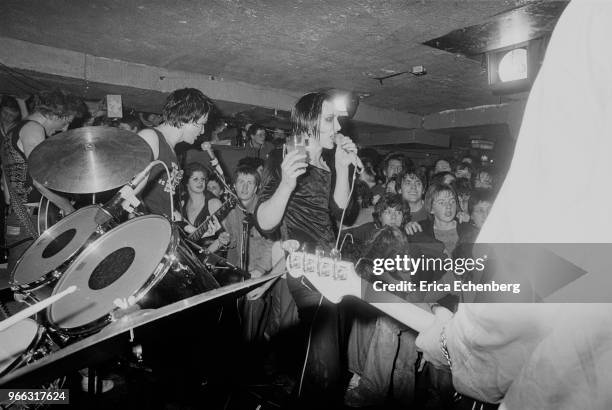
x=302 y=198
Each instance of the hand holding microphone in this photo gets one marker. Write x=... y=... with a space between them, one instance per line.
x=346 y=152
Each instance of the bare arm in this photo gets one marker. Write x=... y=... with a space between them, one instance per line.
x=150 y=138
x=31 y=136
x=270 y=213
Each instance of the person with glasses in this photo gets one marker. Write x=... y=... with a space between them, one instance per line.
x=184 y=115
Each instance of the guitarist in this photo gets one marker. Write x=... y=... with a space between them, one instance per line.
x=53 y=111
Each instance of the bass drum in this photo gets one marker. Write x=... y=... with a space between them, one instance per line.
x=143 y=260
x=23 y=343
x=48 y=256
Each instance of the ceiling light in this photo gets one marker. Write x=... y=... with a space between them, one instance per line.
x=513 y=65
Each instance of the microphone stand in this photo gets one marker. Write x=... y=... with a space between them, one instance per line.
x=211 y=259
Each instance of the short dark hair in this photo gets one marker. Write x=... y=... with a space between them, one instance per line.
x=363 y=191
x=436 y=189
x=462 y=186
x=307 y=111
x=439 y=177
x=393 y=156
x=11 y=103
x=414 y=174
x=252 y=162
x=131 y=120
x=56 y=102
x=480 y=195
x=253 y=129
x=393 y=201
x=464 y=165
x=247 y=170
x=184 y=106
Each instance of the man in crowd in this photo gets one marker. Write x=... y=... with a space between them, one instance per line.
x=257 y=141
x=412 y=192
x=259 y=252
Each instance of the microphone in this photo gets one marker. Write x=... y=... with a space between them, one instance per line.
x=355 y=160
x=125 y=197
x=213 y=158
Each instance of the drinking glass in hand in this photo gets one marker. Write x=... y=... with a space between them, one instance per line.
x=296 y=142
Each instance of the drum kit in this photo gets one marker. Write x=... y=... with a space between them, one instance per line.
x=115 y=265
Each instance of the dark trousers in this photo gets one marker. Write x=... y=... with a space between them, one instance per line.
x=321 y=379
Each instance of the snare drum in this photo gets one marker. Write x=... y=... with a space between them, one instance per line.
x=22 y=343
x=144 y=260
x=44 y=261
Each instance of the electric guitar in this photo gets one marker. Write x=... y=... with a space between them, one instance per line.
x=220 y=213
x=336 y=279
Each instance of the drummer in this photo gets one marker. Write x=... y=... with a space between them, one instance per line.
x=183 y=117
x=52 y=112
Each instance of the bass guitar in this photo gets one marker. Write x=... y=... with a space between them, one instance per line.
x=335 y=279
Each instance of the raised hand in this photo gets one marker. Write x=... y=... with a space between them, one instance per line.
x=293 y=165
x=346 y=151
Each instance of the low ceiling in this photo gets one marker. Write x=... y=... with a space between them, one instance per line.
x=294 y=45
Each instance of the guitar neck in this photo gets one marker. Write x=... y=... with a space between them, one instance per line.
x=337 y=279
x=220 y=213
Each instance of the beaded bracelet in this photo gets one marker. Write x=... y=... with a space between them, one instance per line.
x=444 y=347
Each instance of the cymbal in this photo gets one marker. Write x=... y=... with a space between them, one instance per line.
x=89 y=159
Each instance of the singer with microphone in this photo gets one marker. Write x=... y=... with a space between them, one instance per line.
x=303 y=199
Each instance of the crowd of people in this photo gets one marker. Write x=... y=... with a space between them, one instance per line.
x=280 y=195
x=347 y=353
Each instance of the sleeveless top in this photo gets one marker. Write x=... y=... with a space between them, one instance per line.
x=15 y=166
x=201 y=217
x=155 y=194
x=18 y=179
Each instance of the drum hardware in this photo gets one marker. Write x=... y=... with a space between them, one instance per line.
x=31 y=310
x=143 y=259
x=244 y=244
x=45 y=260
x=23 y=343
x=211 y=259
x=114 y=339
